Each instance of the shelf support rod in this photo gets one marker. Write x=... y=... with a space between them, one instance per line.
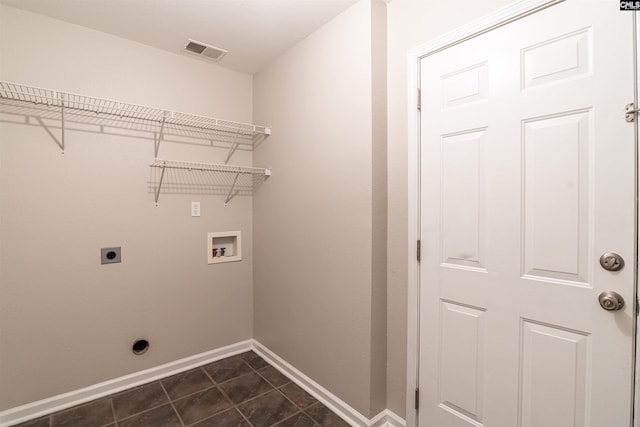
x=160 y=183
x=231 y=194
x=157 y=144
x=46 y=129
x=62 y=119
x=234 y=147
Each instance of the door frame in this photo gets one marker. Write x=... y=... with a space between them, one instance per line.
x=500 y=17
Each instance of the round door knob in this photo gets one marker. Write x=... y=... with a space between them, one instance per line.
x=611 y=301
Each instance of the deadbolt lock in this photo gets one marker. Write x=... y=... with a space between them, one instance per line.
x=611 y=261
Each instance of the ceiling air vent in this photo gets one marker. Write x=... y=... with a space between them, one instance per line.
x=203 y=49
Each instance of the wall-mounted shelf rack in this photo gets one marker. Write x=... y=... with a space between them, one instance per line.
x=236 y=171
x=48 y=103
x=42 y=106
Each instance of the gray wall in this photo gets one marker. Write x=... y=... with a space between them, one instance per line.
x=320 y=291
x=379 y=206
x=65 y=320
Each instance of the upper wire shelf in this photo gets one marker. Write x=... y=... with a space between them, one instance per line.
x=81 y=107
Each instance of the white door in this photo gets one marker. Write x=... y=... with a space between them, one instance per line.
x=527 y=178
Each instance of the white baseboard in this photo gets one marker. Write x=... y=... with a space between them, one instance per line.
x=385 y=418
x=52 y=404
x=60 y=402
x=394 y=420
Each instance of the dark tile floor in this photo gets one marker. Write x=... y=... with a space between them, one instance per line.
x=240 y=391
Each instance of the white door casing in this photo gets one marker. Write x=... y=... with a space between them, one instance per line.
x=527 y=177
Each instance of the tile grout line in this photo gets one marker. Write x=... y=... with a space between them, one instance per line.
x=233 y=405
x=172 y=405
x=232 y=379
x=251 y=398
x=291 y=416
x=140 y=412
x=300 y=410
x=256 y=371
x=267 y=380
x=113 y=411
x=253 y=370
x=51 y=416
x=315 y=422
x=191 y=394
x=215 y=384
x=304 y=411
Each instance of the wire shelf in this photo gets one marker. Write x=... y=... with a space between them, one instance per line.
x=124 y=111
x=209 y=167
x=235 y=186
x=42 y=106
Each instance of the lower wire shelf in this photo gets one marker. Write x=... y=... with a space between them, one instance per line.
x=208 y=167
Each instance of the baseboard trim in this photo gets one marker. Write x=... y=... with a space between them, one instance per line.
x=63 y=401
x=59 y=402
x=385 y=418
x=394 y=420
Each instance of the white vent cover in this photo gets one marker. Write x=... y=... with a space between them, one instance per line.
x=204 y=49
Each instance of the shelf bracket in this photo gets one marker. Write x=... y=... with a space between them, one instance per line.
x=231 y=194
x=160 y=134
x=160 y=184
x=234 y=147
x=257 y=138
x=46 y=129
x=62 y=121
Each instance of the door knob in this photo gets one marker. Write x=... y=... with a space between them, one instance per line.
x=611 y=301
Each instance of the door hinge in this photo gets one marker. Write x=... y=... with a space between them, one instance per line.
x=630 y=112
x=419 y=100
x=418 y=250
x=417 y=403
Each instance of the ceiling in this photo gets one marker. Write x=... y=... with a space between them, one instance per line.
x=253 y=31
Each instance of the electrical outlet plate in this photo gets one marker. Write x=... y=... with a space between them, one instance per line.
x=110 y=255
x=195 y=208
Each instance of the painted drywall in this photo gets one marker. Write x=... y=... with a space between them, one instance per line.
x=379 y=207
x=410 y=24
x=66 y=321
x=316 y=301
